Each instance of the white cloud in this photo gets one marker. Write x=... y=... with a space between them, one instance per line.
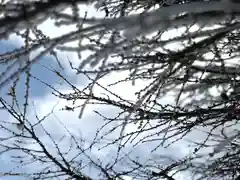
x=87 y=126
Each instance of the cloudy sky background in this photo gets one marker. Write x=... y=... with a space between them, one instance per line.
x=44 y=102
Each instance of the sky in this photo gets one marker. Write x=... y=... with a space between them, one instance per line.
x=44 y=102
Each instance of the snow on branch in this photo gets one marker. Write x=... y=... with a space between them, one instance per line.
x=203 y=14
x=125 y=28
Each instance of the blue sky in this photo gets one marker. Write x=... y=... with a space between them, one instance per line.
x=86 y=127
x=37 y=90
x=40 y=93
